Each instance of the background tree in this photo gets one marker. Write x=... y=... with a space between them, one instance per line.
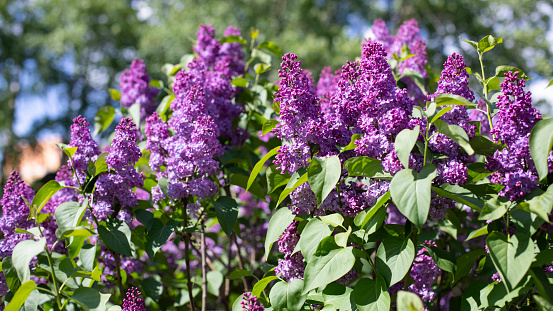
x=77 y=47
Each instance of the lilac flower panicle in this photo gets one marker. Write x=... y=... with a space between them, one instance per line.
x=14 y=209
x=117 y=185
x=131 y=302
x=87 y=148
x=291 y=266
x=135 y=88
x=249 y=303
x=300 y=120
x=512 y=126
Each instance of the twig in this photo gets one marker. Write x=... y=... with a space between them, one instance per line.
x=241 y=264
x=204 y=269
x=186 y=256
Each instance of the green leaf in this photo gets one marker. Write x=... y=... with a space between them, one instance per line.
x=226 y=209
x=116 y=235
x=394 y=258
x=287 y=295
x=103 y=119
x=72 y=232
x=371 y=295
x=541 y=143
x=364 y=216
x=511 y=256
x=164 y=105
x=10 y=274
x=459 y=194
x=456 y=133
x=67 y=214
x=329 y=263
x=240 y=82
x=407 y=301
x=500 y=72
x=440 y=113
x=478 y=232
x=473 y=43
x=20 y=296
x=269 y=126
x=313 y=233
x=214 y=281
x=158 y=235
x=259 y=165
x=411 y=193
x=87 y=255
x=495 y=206
x=293 y=183
x=337 y=297
x=335 y=220
x=271 y=47
x=115 y=94
x=542 y=303
x=90 y=299
x=443 y=259
x=487 y=43
x=538 y=202
x=44 y=194
x=68 y=150
x=483 y=145
x=238 y=273
x=352 y=145
x=260 y=68
x=323 y=174
x=275 y=179
x=342 y=238
x=465 y=263
x=542 y=283
x=259 y=287
x=451 y=100
x=363 y=166
x=405 y=141
x=277 y=224
x=22 y=255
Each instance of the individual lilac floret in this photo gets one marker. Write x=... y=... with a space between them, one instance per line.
x=131 y=302
x=512 y=126
x=424 y=271
x=135 y=88
x=87 y=148
x=249 y=303
x=116 y=186
x=291 y=266
x=14 y=209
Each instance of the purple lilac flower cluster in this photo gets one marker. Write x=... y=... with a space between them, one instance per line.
x=188 y=154
x=14 y=215
x=453 y=169
x=291 y=266
x=213 y=72
x=408 y=35
x=116 y=186
x=87 y=148
x=131 y=302
x=300 y=121
x=249 y=303
x=512 y=126
x=424 y=271
x=135 y=88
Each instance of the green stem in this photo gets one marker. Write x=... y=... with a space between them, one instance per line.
x=50 y=263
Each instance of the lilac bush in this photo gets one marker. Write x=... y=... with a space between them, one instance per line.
x=374 y=186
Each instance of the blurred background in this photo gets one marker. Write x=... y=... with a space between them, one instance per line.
x=59 y=57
